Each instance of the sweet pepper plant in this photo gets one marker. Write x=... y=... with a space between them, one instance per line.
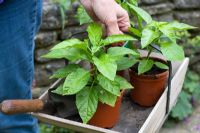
x=100 y=82
x=154 y=35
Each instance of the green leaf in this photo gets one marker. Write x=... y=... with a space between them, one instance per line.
x=120 y=51
x=63 y=72
x=56 y=54
x=183 y=107
x=145 y=65
x=68 y=43
x=196 y=93
x=72 y=54
x=107 y=97
x=82 y=16
x=134 y=2
x=124 y=84
x=193 y=76
x=110 y=86
x=95 y=33
x=76 y=81
x=125 y=62
x=148 y=36
x=161 y=65
x=106 y=66
x=179 y=26
x=87 y=102
x=59 y=90
x=117 y=38
x=168 y=32
x=172 y=51
x=135 y=32
x=142 y=13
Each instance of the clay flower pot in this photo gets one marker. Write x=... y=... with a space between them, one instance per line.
x=147 y=88
x=107 y=116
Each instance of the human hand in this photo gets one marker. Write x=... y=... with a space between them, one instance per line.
x=109 y=13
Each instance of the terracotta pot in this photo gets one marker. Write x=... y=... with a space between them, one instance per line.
x=147 y=88
x=107 y=116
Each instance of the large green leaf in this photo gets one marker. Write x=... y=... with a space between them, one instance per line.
x=110 y=86
x=72 y=54
x=82 y=15
x=124 y=84
x=120 y=51
x=106 y=66
x=168 y=32
x=95 y=33
x=117 y=38
x=76 y=80
x=59 y=90
x=56 y=54
x=183 y=107
x=142 y=13
x=86 y=102
x=145 y=65
x=134 y=31
x=125 y=62
x=68 y=43
x=161 y=65
x=63 y=72
x=179 y=26
x=148 y=36
x=106 y=97
x=172 y=51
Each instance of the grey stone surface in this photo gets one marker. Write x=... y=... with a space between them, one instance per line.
x=151 y=1
x=46 y=38
x=52 y=17
x=184 y=4
x=159 y=8
x=44 y=71
x=187 y=11
x=164 y=17
x=74 y=31
x=39 y=53
x=190 y=17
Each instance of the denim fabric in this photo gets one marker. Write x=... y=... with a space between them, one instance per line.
x=19 y=21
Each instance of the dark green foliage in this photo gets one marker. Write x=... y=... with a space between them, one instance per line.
x=90 y=86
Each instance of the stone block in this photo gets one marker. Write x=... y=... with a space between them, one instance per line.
x=45 y=39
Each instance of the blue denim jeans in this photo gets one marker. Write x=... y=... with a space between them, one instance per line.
x=19 y=21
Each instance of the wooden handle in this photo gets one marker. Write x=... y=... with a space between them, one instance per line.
x=21 y=106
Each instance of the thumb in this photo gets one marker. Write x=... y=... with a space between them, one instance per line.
x=112 y=27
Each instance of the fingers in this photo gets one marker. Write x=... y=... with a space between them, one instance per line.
x=123 y=19
x=109 y=13
x=112 y=26
x=88 y=7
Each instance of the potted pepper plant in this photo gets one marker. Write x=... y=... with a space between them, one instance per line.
x=98 y=89
x=148 y=75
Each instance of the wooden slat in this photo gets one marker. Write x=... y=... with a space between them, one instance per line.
x=158 y=116
x=77 y=126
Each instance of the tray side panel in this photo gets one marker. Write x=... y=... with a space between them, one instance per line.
x=158 y=116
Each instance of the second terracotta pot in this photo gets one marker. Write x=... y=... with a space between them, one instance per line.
x=107 y=116
x=147 y=88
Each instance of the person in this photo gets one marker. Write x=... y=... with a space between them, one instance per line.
x=19 y=23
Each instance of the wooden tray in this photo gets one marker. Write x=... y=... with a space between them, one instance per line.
x=133 y=118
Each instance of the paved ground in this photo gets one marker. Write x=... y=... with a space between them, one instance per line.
x=190 y=125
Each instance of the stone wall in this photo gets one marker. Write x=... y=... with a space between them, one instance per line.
x=187 y=11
